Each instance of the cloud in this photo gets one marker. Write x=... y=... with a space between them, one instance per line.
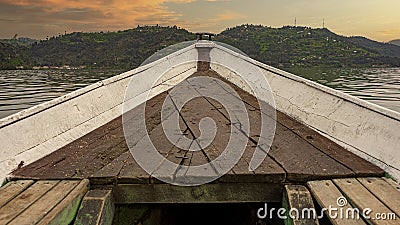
x=39 y=18
x=76 y=15
x=228 y=15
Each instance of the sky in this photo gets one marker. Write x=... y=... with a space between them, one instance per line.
x=375 y=19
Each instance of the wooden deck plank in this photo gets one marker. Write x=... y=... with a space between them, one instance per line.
x=385 y=192
x=298 y=197
x=65 y=211
x=109 y=173
x=208 y=107
x=188 y=175
x=173 y=153
x=360 y=197
x=301 y=160
x=287 y=148
x=327 y=195
x=358 y=165
x=191 y=114
x=45 y=204
x=290 y=151
x=131 y=172
x=392 y=183
x=13 y=208
x=97 y=208
x=207 y=193
x=12 y=189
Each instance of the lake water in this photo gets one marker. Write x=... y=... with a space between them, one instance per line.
x=21 y=89
x=380 y=86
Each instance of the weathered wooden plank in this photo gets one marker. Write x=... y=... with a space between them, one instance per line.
x=13 y=208
x=65 y=211
x=239 y=173
x=393 y=183
x=132 y=173
x=45 y=204
x=208 y=193
x=384 y=192
x=109 y=173
x=97 y=208
x=301 y=160
x=299 y=198
x=171 y=152
x=191 y=114
x=327 y=195
x=12 y=189
x=360 y=166
x=269 y=170
x=360 y=197
x=185 y=172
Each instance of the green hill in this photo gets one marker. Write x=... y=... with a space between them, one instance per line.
x=123 y=49
x=282 y=47
x=395 y=42
x=303 y=46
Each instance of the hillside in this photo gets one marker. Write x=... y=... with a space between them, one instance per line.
x=395 y=42
x=122 y=49
x=384 y=49
x=303 y=46
x=282 y=47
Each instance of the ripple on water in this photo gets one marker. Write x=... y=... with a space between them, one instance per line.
x=22 y=89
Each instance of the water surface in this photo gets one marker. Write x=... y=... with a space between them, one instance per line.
x=380 y=86
x=21 y=89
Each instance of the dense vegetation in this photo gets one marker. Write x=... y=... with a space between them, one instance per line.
x=283 y=47
x=303 y=46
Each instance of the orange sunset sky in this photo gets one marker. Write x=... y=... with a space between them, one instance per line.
x=375 y=19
